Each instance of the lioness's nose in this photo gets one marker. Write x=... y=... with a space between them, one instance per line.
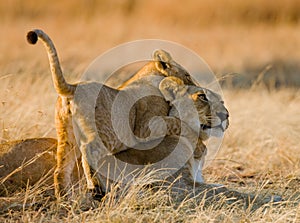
x=222 y=116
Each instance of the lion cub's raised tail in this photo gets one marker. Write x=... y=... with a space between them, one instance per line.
x=60 y=84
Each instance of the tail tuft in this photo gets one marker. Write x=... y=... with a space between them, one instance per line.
x=32 y=37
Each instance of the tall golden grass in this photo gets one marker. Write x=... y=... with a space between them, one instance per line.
x=260 y=152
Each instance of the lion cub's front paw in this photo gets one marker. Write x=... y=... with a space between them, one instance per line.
x=157 y=127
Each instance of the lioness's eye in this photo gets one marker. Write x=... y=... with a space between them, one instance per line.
x=164 y=65
x=188 y=77
x=202 y=97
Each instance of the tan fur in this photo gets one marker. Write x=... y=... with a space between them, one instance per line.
x=190 y=105
x=26 y=162
x=210 y=113
x=69 y=113
x=76 y=111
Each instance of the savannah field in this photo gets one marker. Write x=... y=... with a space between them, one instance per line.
x=252 y=46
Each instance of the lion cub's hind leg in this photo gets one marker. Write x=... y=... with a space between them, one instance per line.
x=67 y=150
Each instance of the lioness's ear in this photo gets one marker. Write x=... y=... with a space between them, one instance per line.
x=161 y=55
x=172 y=88
x=162 y=60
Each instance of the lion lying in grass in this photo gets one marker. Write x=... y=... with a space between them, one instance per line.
x=25 y=162
x=28 y=162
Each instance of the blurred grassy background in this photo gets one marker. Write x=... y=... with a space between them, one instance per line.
x=243 y=37
x=190 y=12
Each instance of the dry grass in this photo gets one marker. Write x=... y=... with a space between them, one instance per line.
x=261 y=148
x=260 y=154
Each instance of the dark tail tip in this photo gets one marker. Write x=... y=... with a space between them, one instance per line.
x=32 y=37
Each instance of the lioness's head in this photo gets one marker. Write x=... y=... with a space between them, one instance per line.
x=211 y=114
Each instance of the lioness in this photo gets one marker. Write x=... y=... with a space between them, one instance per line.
x=84 y=110
x=212 y=115
x=191 y=105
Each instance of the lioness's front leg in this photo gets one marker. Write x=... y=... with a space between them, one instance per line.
x=196 y=162
x=172 y=126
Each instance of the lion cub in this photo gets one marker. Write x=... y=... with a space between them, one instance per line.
x=85 y=126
